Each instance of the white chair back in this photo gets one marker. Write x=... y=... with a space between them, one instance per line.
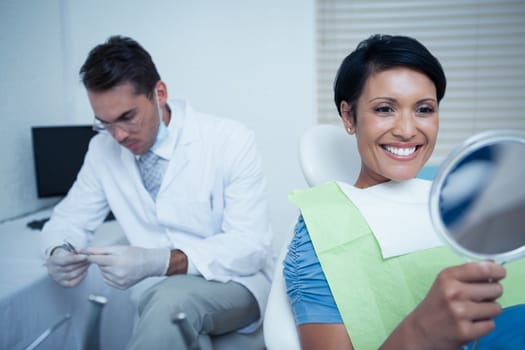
x=326 y=153
x=279 y=324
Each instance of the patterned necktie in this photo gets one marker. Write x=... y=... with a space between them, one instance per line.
x=151 y=172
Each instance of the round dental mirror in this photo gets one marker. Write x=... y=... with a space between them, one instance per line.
x=477 y=200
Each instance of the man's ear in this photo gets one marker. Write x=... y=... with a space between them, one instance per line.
x=161 y=92
x=348 y=117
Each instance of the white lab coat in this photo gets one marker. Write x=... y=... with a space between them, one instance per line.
x=211 y=203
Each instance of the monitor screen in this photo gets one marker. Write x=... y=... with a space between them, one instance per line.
x=58 y=153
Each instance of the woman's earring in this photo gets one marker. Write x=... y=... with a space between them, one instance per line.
x=349 y=129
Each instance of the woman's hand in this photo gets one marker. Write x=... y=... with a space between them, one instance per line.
x=458 y=308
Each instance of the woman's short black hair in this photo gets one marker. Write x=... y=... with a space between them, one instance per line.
x=379 y=53
x=117 y=61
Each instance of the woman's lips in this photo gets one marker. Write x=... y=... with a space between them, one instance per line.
x=401 y=152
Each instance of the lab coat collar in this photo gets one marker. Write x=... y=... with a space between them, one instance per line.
x=182 y=134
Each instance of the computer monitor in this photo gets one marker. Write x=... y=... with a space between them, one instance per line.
x=58 y=154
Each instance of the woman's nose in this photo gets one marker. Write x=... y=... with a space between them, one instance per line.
x=405 y=126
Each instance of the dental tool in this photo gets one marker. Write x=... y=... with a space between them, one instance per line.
x=47 y=333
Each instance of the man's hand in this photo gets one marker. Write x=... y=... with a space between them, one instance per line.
x=67 y=268
x=124 y=266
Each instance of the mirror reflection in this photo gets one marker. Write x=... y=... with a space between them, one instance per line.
x=480 y=197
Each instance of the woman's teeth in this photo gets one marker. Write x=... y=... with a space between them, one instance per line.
x=400 y=151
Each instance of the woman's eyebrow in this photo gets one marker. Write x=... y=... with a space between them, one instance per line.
x=382 y=98
x=427 y=100
x=391 y=99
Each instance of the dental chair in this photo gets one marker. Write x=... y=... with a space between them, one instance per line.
x=326 y=153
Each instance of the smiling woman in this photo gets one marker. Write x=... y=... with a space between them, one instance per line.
x=395 y=123
x=361 y=269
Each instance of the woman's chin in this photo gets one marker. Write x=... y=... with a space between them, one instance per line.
x=404 y=176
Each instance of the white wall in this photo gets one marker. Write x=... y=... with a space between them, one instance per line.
x=250 y=61
x=31 y=92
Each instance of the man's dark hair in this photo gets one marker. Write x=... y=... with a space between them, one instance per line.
x=118 y=61
x=379 y=53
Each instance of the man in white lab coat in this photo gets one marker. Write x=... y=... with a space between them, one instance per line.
x=204 y=224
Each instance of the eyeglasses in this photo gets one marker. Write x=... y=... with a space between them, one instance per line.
x=127 y=123
x=131 y=124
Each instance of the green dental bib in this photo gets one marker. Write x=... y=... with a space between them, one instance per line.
x=374 y=294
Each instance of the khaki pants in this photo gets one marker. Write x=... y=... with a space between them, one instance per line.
x=212 y=309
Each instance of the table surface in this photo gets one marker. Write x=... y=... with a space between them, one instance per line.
x=21 y=262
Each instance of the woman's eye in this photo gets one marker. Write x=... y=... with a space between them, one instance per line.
x=383 y=109
x=425 y=109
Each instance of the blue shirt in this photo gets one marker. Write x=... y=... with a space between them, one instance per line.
x=306 y=285
x=313 y=302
